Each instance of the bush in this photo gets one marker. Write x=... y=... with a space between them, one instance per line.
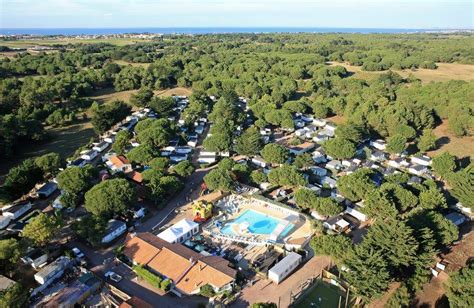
x=207 y=291
x=149 y=277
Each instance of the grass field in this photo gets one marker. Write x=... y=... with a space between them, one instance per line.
x=323 y=295
x=109 y=94
x=444 y=72
x=125 y=63
x=64 y=41
x=64 y=141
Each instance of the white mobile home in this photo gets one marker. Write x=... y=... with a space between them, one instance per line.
x=52 y=271
x=89 y=155
x=379 y=144
x=115 y=228
x=16 y=210
x=101 y=146
x=356 y=213
x=422 y=160
x=259 y=162
x=47 y=190
x=285 y=267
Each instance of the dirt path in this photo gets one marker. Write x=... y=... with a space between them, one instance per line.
x=267 y=291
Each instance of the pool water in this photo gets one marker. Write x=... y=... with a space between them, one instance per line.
x=258 y=223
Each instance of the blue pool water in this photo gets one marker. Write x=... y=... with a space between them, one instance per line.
x=258 y=223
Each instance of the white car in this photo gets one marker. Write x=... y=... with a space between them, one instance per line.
x=113 y=276
x=78 y=253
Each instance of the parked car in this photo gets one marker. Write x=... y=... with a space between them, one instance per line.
x=113 y=276
x=78 y=253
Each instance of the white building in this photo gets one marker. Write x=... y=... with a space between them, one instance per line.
x=115 y=228
x=206 y=159
x=285 y=267
x=16 y=210
x=422 y=160
x=356 y=213
x=418 y=170
x=259 y=162
x=318 y=170
x=379 y=144
x=332 y=183
x=52 y=271
x=101 y=146
x=319 y=122
x=47 y=190
x=180 y=231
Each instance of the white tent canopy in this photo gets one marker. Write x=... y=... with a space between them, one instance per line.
x=180 y=231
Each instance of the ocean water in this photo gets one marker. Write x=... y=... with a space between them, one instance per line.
x=217 y=30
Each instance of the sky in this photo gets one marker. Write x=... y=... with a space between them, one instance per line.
x=399 y=14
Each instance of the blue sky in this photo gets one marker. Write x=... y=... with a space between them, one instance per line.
x=238 y=13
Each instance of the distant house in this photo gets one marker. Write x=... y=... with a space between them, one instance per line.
x=422 y=160
x=180 y=231
x=456 y=218
x=418 y=170
x=16 y=210
x=463 y=209
x=319 y=156
x=265 y=131
x=378 y=156
x=47 y=190
x=379 y=144
x=285 y=267
x=183 y=150
x=110 y=138
x=178 y=157
x=356 y=213
x=115 y=228
x=36 y=258
x=326 y=180
x=331 y=127
x=398 y=163
x=101 y=146
x=207 y=158
x=119 y=164
x=318 y=171
x=259 y=162
x=135 y=176
x=300 y=123
x=305 y=147
x=337 y=224
x=90 y=155
x=52 y=271
x=199 y=129
x=187 y=269
x=334 y=165
x=321 y=137
x=80 y=162
x=319 y=122
x=5 y=283
x=192 y=141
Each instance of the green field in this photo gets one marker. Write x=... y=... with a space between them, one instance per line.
x=322 y=295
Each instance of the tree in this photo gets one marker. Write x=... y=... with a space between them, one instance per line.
x=220 y=142
x=163 y=106
x=152 y=181
x=357 y=185
x=339 y=148
x=379 y=205
x=249 y=143
x=159 y=163
x=207 y=291
x=104 y=116
x=462 y=184
x=90 y=228
x=49 y=163
x=352 y=132
x=402 y=198
x=156 y=136
x=142 y=154
x=74 y=181
x=328 y=207
x=460 y=291
x=258 y=177
x=337 y=246
x=432 y=199
x=40 y=229
x=122 y=142
x=171 y=185
x=142 y=97
x=10 y=253
x=264 y=305
x=444 y=231
x=286 y=176
x=368 y=272
x=396 y=144
x=110 y=197
x=183 y=169
x=303 y=161
x=427 y=141
x=15 y=296
x=22 y=178
x=444 y=164
x=275 y=153
x=218 y=179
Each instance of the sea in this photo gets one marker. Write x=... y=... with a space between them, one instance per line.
x=210 y=30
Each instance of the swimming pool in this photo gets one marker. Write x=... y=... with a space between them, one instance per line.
x=256 y=223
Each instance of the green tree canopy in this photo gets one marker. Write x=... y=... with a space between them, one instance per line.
x=218 y=179
x=10 y=253
x=427 y=141
x=396 y=144
x=183 y=169
x=14 y=296
x=41 y=229
x=286 y=176
x=49 y=163
x=122 y=142
x=443 y=164
x=142 y=97
x=339 y=148
x=303 y=161
x=275 y=153
x=74 y=181
x=460 y=290
x=110 y=197
x=337 y=246
x=357 y=185
x=142 y=154
x=249 y=143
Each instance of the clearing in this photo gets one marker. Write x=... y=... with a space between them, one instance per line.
x=109 y=94
x=461 y=147
x=125 y=63
x=444 y=72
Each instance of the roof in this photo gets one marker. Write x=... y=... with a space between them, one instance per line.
x=5 y=282
x=60 y=262
x=303 y=146
x=119 y=161
x=16 y=207
x=135 y=176
x=184 y=266
x=283 y=265
x=211 y=270
x=177 y=230
x=135 y=302
x=48 y=186
x=114 y=225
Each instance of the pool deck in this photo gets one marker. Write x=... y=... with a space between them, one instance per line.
x=297 y=236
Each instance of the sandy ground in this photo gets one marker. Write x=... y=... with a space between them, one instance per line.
x=461 y=147
x=266 y=291
x=444 y=72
